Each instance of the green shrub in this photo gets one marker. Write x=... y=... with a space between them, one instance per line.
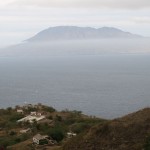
x=50 y=117
x=147 y=144
x=11 y=140
x=42 y=142
x=12 y=133
x=57 y=134
x=69 y=121
x=15 y=116
x=79 y=127
x=58 y=118
x=49 y=109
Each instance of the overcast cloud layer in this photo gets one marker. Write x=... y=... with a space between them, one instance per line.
x=126 y=4
x=21 y=19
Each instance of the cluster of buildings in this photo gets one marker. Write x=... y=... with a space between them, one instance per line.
x=44 y=139
x=33 y=116
x=38 y=117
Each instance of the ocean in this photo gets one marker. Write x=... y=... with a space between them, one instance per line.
x=106 y=86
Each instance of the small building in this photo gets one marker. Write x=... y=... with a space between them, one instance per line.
x=25 y=130
x=40 y=139
x=33 y=113
x=47 y=121
x=20 y=111
x=39 y=114
x=31 y=119
x=71 y=134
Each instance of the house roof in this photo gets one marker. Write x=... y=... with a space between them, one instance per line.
x=40 y=137
x=31 y=118
x=19 y=110
x=25 y=130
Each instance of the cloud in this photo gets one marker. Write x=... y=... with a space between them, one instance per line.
x=27 y=17
x=111 y=4
x=143 y=20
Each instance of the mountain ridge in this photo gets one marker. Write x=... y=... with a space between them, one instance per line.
x=75 y=32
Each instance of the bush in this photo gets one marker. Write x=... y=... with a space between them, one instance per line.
x=58 y=118
x=49 y=109
x=50 y=117
x=147 y=144
x=15 y=116
x=12 y=133
x=11 y=140
x=7 y=141
x=56 y=134
x=42 y=142
x=43 y=128
x=79 y=127
x=69 y=121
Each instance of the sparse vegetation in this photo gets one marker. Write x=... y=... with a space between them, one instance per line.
x=56 y=124
x=147 y=144
x=57 y=134
x=129 y=132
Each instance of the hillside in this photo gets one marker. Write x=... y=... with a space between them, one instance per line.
x=72 y=130
x=51 y=128
x=131 y=132
x=73 y=32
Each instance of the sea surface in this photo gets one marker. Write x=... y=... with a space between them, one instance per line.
x=106 y=86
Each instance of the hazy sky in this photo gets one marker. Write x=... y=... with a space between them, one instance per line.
x=21 y=19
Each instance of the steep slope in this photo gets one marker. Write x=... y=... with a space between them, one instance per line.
x=73 y=32
x=128 y=133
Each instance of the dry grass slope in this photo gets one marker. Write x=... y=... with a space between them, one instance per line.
x=127 y=133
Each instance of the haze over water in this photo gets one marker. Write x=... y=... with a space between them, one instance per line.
x=106 y=86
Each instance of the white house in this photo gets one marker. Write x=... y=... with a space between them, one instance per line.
x=33 y=113
x=40 y=139
x=31 y=119
x=20 y=111
x=71 y=134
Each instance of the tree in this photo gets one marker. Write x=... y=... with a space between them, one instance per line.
x=56 y=134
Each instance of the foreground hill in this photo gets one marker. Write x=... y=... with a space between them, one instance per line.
x=131 y=132
x=49 y=127
x=73 y=32
x=71 y=130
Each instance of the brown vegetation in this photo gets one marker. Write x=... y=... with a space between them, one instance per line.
x=131 y=132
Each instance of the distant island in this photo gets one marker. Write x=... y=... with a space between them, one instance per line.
x=31 y=127
x=79 y=33
x=73 y=40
